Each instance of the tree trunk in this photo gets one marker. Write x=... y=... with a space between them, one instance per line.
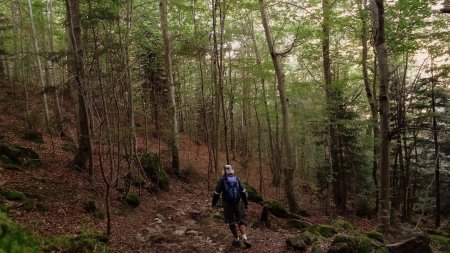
x=437 y=190
x=370 y=93
x=84 y=154
x=174 y=146
x=377 y=9
x=41 y=71
x=290 y=169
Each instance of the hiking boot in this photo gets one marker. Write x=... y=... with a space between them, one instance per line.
x=236 y=243
x=247 y=244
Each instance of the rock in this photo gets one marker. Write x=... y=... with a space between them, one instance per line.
x=16 y=157
x=302 y=240
x=277 y=209
x=14 y=195
x=299 y=224
x=354 y=244
x=218 y=215
x=189 y=223
x=375 y=235
x=140 y=237
x=132 y=199
x=179 y=232
x=418 y=244
x=327 y=231
x=342 y=225
x=160 y=216
x=158 y=220
x=252 y=194
x=192 y=232
x=153 y=168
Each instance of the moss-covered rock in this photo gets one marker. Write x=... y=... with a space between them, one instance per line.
x=14 y=195
x=299 y=224
x=277 y=209
x=253 y=195
x=375 y=235
x=302 y=241
x=342 y=225
x=16 y=157
x=357 y=243
x=327 y=230
x=132 y=199
x=33 y=136
x=153 y=168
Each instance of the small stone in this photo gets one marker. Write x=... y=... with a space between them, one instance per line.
x=158 y=220
x=140 y=237
x=160 y=216
x=178 y=232
x=192 y=232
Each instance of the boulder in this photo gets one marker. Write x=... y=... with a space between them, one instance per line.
x=132 y=199
x=154 y=170
x=418 y=244
x=253 y=195
x=299 y=224
x=15 y=157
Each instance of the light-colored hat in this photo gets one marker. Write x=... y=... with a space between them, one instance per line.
x=228 y=169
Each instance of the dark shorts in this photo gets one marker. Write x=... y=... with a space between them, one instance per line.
x=234 y=213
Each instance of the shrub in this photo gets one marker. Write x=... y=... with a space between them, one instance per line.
x=188 y=173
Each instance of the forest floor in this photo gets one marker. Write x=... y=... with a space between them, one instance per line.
x=180 y=220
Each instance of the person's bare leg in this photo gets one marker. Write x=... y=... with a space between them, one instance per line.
x=243 y=230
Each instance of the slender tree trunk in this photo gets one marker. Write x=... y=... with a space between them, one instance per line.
x=174 y=146
x=273 y=165
x=370 y=93
x=41 y=71
x=290 y=169
x=84 y=154
x=377 y=8
x=437 y=217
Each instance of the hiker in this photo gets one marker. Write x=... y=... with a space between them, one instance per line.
x=234 y=199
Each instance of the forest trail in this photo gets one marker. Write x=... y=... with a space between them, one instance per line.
x=180 y=220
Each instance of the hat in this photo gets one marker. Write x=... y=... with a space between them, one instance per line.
x=228 y=169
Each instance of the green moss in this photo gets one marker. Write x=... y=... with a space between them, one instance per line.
x=86 y=241
x=302 y=241
x=342 y=225
x=153 y=168
x=327 y=230
x=14 y=239
x=299 y=224
x=132 y=199
x=440 y=242
x=3 y=208
x=277 y=209
x=14 y=195
x=253 y=194
x=375 y=235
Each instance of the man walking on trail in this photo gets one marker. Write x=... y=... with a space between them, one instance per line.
x=234 y=199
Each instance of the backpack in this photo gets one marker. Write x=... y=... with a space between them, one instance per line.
x=231 y=189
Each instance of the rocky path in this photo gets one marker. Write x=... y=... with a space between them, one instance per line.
x=186 y=223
